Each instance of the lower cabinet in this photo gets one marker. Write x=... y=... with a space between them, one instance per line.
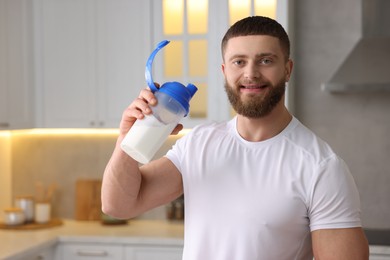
x=379 y=252
x=48 y=254
x=84 y=251
x=45 y=254
x=153 y=253
x=81 y=251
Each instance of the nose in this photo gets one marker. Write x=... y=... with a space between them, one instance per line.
x=251 y=71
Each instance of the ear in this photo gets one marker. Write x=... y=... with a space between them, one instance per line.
x=223 y=68
x=288 y=69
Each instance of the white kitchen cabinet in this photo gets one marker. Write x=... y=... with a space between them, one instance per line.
x=81 y=251
x=43 y=254
x=79 y=63
x=117 y=251
x=154 y=253
x=379 y=253
x=48 y=254
x=16 y=79
x=90 y=60
x=379 y=257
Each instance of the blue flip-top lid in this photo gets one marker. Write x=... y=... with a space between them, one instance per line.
x=174 y=89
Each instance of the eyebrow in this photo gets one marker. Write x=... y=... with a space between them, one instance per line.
x=260 y=55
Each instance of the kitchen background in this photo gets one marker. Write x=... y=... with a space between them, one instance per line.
x=356 y=125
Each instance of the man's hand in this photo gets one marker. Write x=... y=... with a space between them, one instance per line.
x=140 y=107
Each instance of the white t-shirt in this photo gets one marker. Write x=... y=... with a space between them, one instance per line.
x=260 y=200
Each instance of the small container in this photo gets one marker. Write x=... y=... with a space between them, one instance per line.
x=26 y=203
x=14 y=216
x=42 y=212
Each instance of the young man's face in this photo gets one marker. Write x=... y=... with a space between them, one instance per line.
x=255 y=70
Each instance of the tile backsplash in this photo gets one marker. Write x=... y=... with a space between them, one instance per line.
x=27 y=157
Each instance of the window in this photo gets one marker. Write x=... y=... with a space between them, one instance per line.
x=185 y=23
x=195 y=29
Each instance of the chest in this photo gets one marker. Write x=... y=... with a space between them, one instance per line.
x=266 y=186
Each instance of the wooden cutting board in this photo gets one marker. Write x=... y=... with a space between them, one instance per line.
x=87 y=199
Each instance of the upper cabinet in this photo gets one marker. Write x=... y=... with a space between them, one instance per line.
x=90 y=60
x=16 y=70
x=80 y=63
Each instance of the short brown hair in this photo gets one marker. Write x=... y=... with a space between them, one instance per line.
x=258 y=25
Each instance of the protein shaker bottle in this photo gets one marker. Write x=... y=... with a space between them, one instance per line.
x=147 y=135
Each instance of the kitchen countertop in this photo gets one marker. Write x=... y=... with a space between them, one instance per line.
x=136 y=232
x=17 y=243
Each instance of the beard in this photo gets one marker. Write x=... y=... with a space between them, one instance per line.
x=256 y=105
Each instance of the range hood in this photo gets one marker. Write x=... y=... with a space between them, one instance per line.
x=367 y=67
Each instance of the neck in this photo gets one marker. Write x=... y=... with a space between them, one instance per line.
x=260 y=129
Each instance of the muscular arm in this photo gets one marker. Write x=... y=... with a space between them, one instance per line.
x=340 y=244
x=129 y=190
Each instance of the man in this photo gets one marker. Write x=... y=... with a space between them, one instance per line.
x=261 y=186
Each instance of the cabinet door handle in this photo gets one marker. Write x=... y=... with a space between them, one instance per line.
x=4 y=124
x=92 y=253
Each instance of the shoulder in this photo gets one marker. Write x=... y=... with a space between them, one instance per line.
x=308 y=144
x=197 y=142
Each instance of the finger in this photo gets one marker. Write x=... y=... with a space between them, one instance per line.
x=141 y=105
x=131 y=114
x=148 y=96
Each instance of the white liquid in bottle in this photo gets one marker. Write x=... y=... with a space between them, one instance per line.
x=143 y=140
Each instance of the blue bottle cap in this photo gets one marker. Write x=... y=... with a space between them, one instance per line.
x=180 y=93
x=174 y=89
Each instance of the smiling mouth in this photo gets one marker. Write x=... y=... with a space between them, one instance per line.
x=257 y=86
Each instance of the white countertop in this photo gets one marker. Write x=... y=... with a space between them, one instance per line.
x=136 y=232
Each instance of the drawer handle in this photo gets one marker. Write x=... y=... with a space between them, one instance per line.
x=92 y=253
x=4 y=124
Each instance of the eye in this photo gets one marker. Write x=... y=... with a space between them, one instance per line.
x=266 y=61
x=238 y=63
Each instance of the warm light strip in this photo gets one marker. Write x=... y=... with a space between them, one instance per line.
x=185 y=131
x=5 y=133
x=67 y=131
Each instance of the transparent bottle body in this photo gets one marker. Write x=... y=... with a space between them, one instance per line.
x=147 y=135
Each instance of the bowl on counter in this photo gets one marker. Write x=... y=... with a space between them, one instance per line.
x=108 y=220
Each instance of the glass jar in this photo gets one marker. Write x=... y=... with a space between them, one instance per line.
x=14 y=216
